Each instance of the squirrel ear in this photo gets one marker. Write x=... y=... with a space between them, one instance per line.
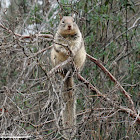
x=60 y=16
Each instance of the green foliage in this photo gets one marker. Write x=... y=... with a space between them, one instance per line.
x=35 y=15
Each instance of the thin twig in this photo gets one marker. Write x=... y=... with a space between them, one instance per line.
x=61 y=65
x=26 y=36
x=97 y=62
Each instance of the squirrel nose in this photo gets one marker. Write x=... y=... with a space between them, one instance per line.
x=69 y=27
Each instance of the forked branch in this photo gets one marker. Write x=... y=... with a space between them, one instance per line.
x=130 y=111
x=114 y=80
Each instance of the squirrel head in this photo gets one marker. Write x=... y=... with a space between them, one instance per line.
x=67 y=26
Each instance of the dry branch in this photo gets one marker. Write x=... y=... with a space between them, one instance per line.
x=59 y=66
x=131 y=111
x=89 y=85
x=113 y=79
x=26 y=36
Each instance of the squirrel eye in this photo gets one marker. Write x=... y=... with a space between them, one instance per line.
x=63 y=21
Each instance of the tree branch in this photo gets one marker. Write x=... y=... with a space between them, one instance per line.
x=26 y=36
x=113 y=79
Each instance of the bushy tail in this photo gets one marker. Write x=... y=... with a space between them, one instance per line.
x=69 y=112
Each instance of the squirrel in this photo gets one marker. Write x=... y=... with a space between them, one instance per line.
x=68 y=33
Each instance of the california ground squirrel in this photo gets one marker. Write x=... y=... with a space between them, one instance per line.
x=68 y=34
